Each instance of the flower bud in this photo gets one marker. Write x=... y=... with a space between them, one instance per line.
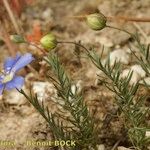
x=96 y=21
x=17 y=39
x=49 y=41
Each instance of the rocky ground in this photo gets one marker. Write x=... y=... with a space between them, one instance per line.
x=18 y=119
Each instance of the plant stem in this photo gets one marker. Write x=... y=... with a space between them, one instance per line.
x=67 y=42
x=120 y=30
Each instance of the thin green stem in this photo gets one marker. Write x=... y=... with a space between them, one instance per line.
x=68 y=42
x=120 y=30
x=143 y=50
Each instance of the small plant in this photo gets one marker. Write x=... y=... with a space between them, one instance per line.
x=81 y=127
x=130 y=105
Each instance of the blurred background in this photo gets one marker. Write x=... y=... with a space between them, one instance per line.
x=33 y=19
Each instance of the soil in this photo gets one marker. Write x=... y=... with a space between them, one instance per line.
x=19 y=121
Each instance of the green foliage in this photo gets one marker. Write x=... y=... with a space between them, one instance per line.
x=131 y=106
x=74 y=104
x=82 y=129
x=144 y=58
x=54 y=124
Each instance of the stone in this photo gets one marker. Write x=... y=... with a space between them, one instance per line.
x=119 y=55
x=47 y=14
x=147 y=134
x=44 y=90
x=101 y=147
x=138 y=73
x=139 y=70
x=135 y=76
x=146 y=80
x=123 y=148
x=13 y=97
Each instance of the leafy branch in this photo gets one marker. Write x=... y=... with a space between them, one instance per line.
x=144 y=58
x=82 y=129
x=74 y=104
x=55 y=125
x=132 y=107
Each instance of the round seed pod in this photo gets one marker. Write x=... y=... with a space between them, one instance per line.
x=49 y=41
x=96 y=21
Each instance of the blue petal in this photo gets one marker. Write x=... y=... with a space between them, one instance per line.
x=9 y=63
x=17 y=82
x=22 y=62
x=1 y=88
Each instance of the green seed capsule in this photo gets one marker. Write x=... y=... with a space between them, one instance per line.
x=49 y=41
x=96 y=21
x=17 y=39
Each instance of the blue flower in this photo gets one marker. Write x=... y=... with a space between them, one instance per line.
x=8 y=78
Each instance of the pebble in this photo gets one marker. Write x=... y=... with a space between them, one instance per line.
x=47 y=14
x=44 y=90
x=138 y=73
x=146 y=80
x=101 y=147
x=135 y=76
x=13 y=97
x=119 y=55
x=123 y=148
x=147 y=134
x=139 y=70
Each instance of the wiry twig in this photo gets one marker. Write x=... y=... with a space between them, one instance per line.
x=11 y=15
x=5 y=36
x=126 y=18
x=117 y=18
x=125 y=94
